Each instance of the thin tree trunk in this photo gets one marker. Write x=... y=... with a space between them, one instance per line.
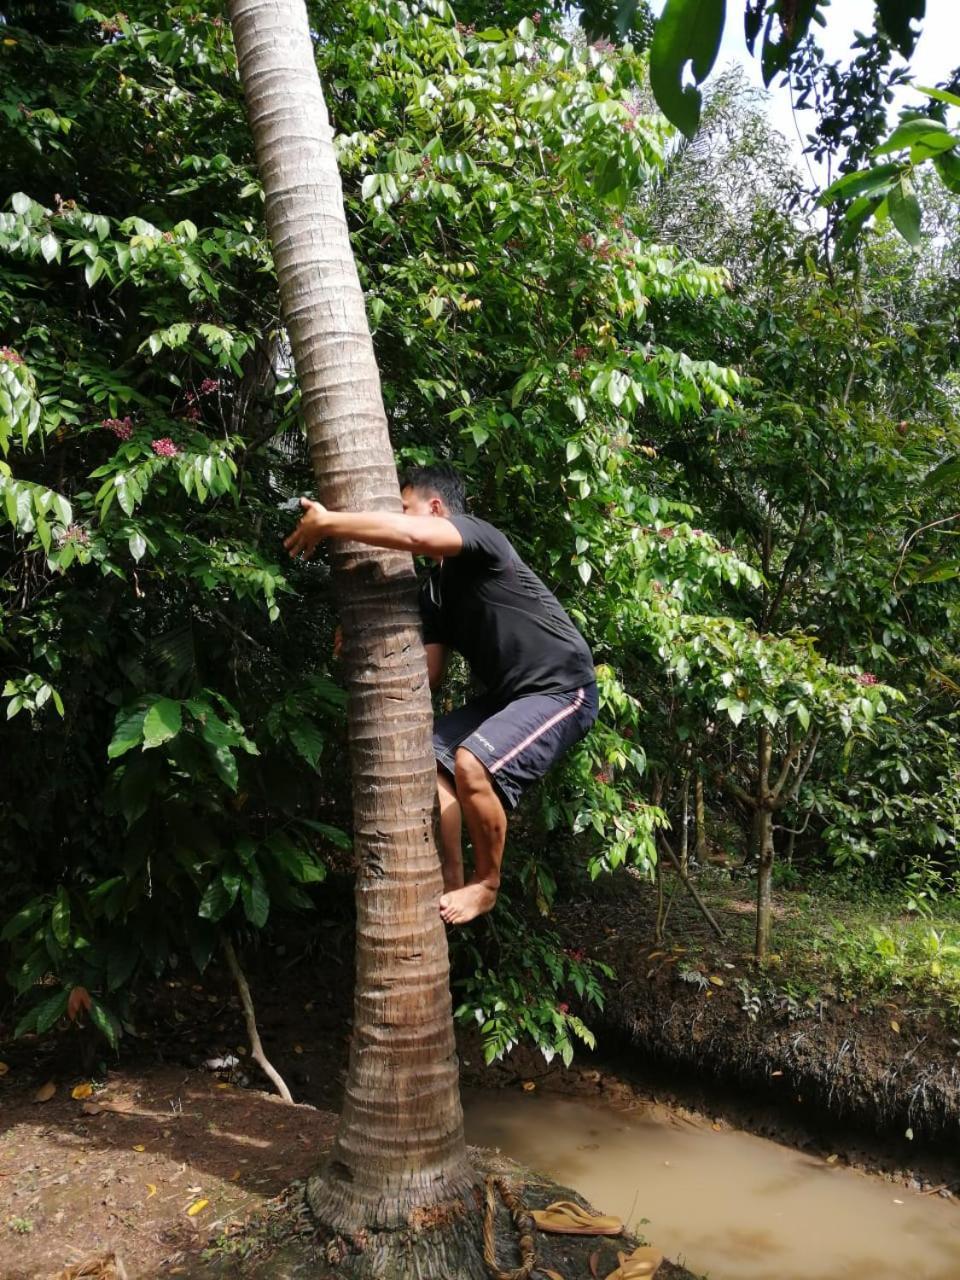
x=700 y=819
x=685 y=827
x=399 y=1162
x=763 y=844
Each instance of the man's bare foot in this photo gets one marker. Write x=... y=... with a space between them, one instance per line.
x=462 y=905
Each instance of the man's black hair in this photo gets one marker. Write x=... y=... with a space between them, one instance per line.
x=441 y=481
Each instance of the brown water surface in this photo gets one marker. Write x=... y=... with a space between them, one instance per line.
x=727 y=1204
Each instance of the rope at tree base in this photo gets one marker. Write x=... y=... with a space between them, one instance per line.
x=521 y=1220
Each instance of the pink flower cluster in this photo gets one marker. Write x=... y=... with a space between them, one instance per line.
x=74 y=533
x=867 y=677
x=209 y=385
x=11 y=357
x=164 y=447
x=122 y=428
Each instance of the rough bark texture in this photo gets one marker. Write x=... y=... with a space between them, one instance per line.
x=399 y=1162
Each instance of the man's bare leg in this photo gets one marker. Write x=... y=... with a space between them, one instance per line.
x=449 y=833
x=487 y=825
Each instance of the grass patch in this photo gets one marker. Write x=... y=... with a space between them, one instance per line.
x=860 y=946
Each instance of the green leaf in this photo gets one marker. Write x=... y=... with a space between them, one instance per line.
x=941 y=95
x=49 y=1010
x=49 y=247
x=139 y=781
x=220 y=896
x=60 y=917
x=27 y=915
x=162 y=722
x=225 y=764
x=911 y=132
x=863 y=182
x=687 y=31
x=138 y=545
x=256 y=901
x=127 y=732
x=947 y=166
x=307 y=740
x=905 y=211
x=105 y=1022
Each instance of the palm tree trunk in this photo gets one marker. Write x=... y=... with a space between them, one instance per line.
x=399 y=1160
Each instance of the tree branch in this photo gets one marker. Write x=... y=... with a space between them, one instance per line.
x=250 y=1018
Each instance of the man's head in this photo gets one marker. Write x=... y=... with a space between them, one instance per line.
x=432 y=491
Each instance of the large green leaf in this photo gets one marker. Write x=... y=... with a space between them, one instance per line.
x=905 y=211
x=220 y=896
x=688 y=31
x=917 y=130
x=256 y=900
x=163 y=721
x=863 y=182
x=127 y=732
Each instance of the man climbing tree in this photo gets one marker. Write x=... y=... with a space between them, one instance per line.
x=540 y=692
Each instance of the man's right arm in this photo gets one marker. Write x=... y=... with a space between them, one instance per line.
x=420 y=535
x=436 y=664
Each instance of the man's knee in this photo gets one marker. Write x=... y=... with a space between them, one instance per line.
x=471 y=775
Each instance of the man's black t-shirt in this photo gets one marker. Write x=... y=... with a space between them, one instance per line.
x=489 y=606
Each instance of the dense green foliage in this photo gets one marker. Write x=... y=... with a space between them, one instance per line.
x=607 y=370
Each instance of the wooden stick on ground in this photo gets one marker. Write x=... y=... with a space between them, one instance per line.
x=688 y=885
x=250 y=1018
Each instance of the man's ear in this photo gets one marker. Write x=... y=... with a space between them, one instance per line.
x=436 y=507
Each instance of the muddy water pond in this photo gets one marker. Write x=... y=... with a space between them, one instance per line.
x=725 y=1203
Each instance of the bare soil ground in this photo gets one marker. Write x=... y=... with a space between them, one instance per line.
x=195 y=1172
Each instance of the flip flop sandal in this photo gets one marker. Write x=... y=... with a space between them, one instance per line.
x=639 y=1265
x=565 y=1218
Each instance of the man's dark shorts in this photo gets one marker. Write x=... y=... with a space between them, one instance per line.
x=518 y=742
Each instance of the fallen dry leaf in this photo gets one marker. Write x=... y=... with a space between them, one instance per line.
x=4 y=1068
x=80 y=1091
x=139 y=1147
x=198 y=1206
x=151 y=1189
x=895 y=1025
x=832 y=1159
x=45 y=1092
x=298 y=1048
x=776 y=1073
x=528 y=1086
x=222 y=1085
x=91 y=1108
x=716 y=980
x=116 y=1104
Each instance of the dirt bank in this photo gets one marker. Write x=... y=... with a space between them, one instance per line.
x=692 y=1007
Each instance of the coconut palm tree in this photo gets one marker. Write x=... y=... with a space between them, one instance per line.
x=398 y=1177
